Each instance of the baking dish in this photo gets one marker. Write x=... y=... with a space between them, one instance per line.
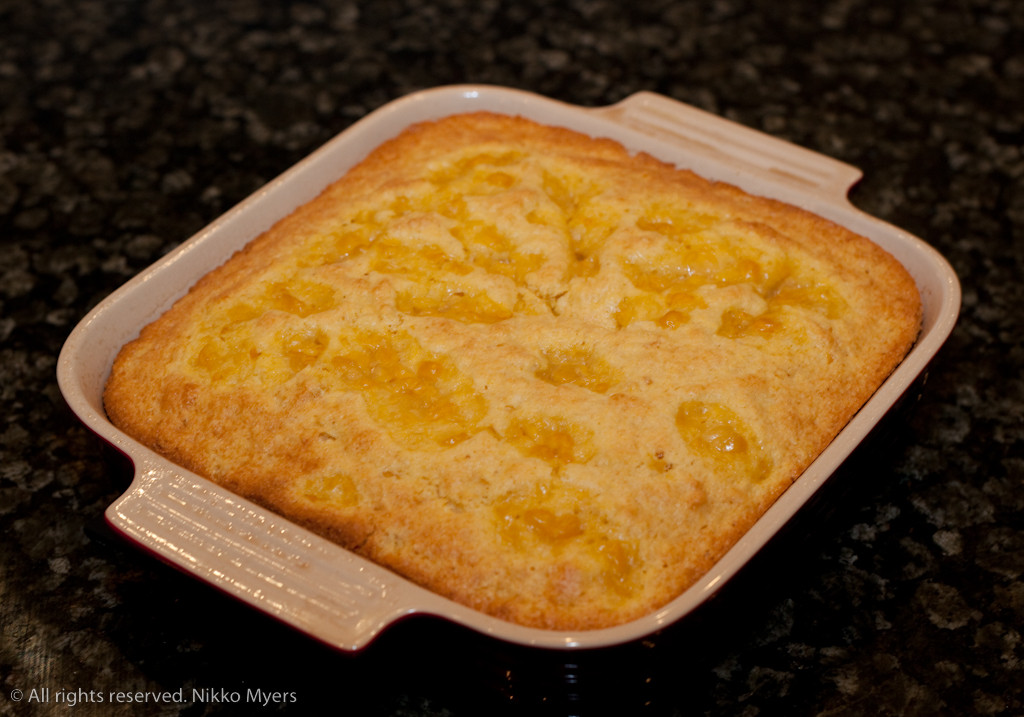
x=338 y=597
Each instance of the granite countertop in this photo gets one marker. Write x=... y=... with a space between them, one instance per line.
x=125 y=127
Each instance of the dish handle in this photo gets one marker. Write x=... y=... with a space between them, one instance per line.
x=745 y=150
x=266 y=561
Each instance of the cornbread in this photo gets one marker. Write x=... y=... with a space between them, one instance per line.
x=535 y=373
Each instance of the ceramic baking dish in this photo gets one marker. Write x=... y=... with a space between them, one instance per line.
x=338 y=597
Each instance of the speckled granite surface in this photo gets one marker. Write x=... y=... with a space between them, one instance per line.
x=127 y=126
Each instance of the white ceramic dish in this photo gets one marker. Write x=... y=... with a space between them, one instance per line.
x=338 y=597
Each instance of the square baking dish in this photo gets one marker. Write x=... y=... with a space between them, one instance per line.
x=338 y=597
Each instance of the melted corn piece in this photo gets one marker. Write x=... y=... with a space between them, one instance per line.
x=467 y=306
x=552 y=519
x=717 y=435
x=337 y=489
x=552 y=439
x=420 y=397
x=576 y=365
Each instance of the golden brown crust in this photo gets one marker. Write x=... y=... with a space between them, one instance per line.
x=521 y=367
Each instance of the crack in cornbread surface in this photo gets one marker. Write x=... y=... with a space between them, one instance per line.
x=530 y=371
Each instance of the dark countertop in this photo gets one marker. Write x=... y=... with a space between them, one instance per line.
x=126 y=126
